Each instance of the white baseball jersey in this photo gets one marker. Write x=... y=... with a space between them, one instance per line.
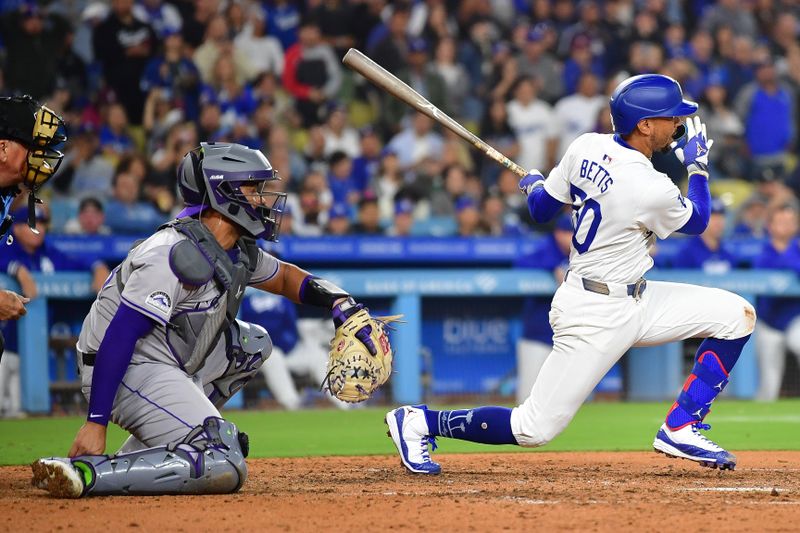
x=620 y=204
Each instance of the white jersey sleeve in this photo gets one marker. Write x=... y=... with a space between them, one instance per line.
x=663 y=209
x=557 y=184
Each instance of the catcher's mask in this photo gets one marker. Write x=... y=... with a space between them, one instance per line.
x=237 y=182
x=43 y=133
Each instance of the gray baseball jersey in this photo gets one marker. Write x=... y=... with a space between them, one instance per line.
x=151 y=287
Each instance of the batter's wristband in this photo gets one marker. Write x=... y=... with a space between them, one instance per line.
x=320 y=292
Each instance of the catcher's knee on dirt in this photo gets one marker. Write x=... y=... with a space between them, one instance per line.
x=247 y=346
x=209 y=460
x=532 y=428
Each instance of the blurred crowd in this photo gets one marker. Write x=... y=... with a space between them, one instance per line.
x=140 y=82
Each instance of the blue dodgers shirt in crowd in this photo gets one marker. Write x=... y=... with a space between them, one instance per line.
x=536 y=310
x=778 y=312
x=274 y=313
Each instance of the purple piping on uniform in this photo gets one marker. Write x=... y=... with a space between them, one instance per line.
x=143 y=311
x=191 y=210
x=302 y=293
x=148 y=400
x=277 y=267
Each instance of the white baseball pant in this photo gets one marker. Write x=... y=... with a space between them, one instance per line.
x=771 y=346
x=592 y=331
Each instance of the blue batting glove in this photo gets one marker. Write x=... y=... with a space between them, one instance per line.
x=531 y=181
x=694 y=154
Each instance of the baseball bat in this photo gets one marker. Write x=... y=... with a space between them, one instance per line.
x=397 y=88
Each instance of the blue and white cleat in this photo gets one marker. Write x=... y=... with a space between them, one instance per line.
x=689 y=443
x=409 y=432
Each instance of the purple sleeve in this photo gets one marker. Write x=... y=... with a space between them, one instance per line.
x=700 y=197
x=542 y=206
x=113 y=358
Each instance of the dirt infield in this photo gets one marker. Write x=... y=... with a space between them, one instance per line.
x=481 y=492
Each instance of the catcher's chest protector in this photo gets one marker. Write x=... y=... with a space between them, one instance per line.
x=192 y=334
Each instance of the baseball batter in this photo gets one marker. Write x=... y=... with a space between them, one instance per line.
x=605 y=306
x=161 y=349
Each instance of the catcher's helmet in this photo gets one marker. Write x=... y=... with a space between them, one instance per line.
x=647 y=96
x=213 y=175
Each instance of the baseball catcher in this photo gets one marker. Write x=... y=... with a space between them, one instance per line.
x=161 y=349
x=31 y=138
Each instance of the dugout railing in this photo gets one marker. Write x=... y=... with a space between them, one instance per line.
x=653 y=373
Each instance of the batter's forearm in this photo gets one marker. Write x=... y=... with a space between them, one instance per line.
x=112 y=360
x=700 y=197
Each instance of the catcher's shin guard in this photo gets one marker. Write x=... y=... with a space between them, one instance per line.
x=209 y=460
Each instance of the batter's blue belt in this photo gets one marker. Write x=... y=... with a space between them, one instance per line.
x=635 y=290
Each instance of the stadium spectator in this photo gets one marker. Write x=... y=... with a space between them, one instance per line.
x=218 y=43
x=708 y=251
x=367 y=164
x=339 y=136
x=338 y=220
x=123 y=45
x=90 y=220
x=283 y=21
x=32 y=37
x=115 y=138
x=175 y=76
x=497 y=132
x=235 y=97
x=752 y=217
x=536 y=341
x=537 y=63
x=575 y=114
x=315 y=199
x=312 y=74
x=534 y=124
x=767 y=108
x=194 y=27
x=289 y=163
x=388 y=183
x=164 y=18
x=468 y=218
x=264 y=51
x=390 y=49
x=416 y=143
x=732 y=14
x=31 y=253
x=403 y=220
x=456 y=82
x=84 y=170
x=581 y=61
x=738 y=70
x=497 y=220
x=369 y=218
x=336 y=19
x=726 y=128
x=341 y=181
x=126 y=214
x=778 y=326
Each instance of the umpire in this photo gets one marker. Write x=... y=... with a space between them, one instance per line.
x=31 y=138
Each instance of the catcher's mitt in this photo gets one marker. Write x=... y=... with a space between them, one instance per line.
x=354 y=373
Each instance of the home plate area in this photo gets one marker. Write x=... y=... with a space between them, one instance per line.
x=600 y=491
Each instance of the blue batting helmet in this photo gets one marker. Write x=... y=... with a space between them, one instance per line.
x=647 y=96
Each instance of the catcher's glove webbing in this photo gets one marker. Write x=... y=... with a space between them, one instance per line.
x=354 y=372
